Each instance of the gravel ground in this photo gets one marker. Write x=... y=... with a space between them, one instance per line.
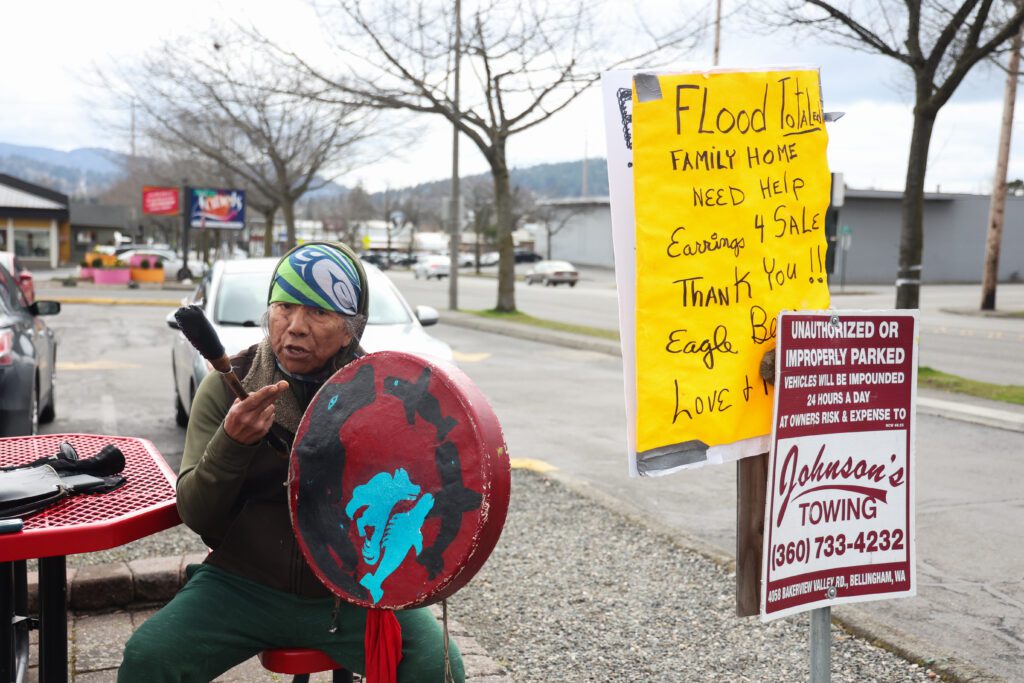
x=576 y=592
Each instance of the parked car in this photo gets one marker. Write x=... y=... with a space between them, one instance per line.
x=553 y=273
x=403 y=258
x=527 y=256
x=173 y=264
x=234 y=298
x=22 y=274
x=377 y=258
x=489 y=258
x=432 y=266
x=28 y=360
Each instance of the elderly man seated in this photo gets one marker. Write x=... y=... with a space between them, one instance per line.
x=255 y=590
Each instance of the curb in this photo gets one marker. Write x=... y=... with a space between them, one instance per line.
x=120 y=584
x=531 y=333
x=965 y=412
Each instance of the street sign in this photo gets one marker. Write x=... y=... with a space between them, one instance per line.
x=839 y=516
x=216 y=208
x=160 y=201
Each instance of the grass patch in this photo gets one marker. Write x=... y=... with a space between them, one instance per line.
x=524 y=319
x=936 y=379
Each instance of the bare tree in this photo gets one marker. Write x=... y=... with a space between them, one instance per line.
x=525 y=61
x=554 y=217
x=940 y=42
x=224 y=103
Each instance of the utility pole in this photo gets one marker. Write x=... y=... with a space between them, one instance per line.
x=456 y=227
x=718 y=31
x=997 y=209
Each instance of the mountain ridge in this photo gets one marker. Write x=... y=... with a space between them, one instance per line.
x=87 y=172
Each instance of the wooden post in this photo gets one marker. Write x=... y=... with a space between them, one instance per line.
x=751 y=489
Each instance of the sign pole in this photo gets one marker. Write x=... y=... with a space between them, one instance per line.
x=186 y=216
x=821 y=644
x=751 y=488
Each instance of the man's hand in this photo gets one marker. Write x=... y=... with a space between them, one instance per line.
x=249 y=421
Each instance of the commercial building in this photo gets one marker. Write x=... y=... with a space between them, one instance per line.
x=866 y=244
x=34 y=223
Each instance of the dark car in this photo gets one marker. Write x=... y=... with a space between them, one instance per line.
x=14 y=266
x=527 y=256
x=28 y=360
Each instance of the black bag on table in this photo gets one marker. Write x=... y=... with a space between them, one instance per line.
x=27 y=489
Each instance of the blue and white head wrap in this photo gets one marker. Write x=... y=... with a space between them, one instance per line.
x=319 y=275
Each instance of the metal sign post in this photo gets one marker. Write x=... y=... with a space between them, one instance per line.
x=821 y=644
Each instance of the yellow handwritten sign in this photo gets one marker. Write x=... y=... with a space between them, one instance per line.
x=731 y=187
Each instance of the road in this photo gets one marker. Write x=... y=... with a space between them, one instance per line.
x=565 y=407
x=960 y=344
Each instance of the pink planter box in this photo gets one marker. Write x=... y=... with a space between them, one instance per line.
x=85 y=272
x=111 y=276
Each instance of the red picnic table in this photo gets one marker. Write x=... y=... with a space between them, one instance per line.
x=80 y=524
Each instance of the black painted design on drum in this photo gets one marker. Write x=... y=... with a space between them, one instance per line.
x=322 y=455
x=449 y=503
x=454 y=498
x=418 y=399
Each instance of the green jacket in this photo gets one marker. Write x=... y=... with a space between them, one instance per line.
x=236 y=497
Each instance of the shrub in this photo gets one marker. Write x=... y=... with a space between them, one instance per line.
x=84 y=263
x=145 y=264
x=97 y=262
x=159 y=263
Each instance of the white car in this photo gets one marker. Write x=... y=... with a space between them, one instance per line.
x=432 y=266
x=234 y=297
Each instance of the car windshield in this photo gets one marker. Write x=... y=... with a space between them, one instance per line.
x=242 y=300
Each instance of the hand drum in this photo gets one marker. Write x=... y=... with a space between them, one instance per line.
x=398 y=481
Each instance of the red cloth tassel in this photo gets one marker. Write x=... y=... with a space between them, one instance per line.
x=382 y=646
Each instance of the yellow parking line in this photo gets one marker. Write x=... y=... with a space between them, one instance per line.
x=97 y=365
x=532 y=464
x=108 y=301
x=470 y=357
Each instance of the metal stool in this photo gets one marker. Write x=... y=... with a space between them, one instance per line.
x=301 y=662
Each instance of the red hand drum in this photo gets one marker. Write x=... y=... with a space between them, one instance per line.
x=399 y=481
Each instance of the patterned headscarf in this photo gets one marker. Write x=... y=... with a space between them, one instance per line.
x=321 y=275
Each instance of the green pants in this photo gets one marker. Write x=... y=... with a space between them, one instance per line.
x=218 y=620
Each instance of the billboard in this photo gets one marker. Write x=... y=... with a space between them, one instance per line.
x=216 y=208
x=839 y=515
x=160 y=201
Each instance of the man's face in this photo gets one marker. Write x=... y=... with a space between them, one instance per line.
x=304 y=338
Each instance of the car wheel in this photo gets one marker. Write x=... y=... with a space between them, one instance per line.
x=180 y=416
x=49 y=412
x=572 y=284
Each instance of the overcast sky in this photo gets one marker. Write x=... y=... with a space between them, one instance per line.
x=48 y=46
